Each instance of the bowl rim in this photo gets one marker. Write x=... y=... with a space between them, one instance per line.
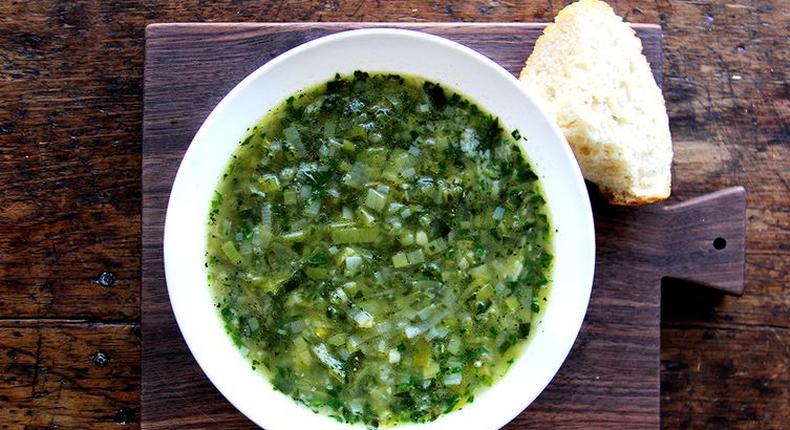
x=585 y=216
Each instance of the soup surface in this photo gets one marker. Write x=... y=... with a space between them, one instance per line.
x=379 y=248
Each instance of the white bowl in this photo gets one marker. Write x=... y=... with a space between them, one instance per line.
x=378 y=50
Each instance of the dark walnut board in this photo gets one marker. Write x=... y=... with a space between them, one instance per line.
x=611 y=377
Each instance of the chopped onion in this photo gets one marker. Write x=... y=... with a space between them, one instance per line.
x=453 y=379
x=426 y=312
x=353 y=263
x=436 y=332
x=353 y=343
x=394 y=222
x=499 y=213
x=454 y=345
x=363 y=318
x=305 y=192
x=412 y=331
x=334 y=365
x=394 y=356
x=406 y=239
x=294 y=140
x=338 y=296
x=266 y=216
x=394 y=208
x=357 y=177
x=469 y=140
x=313 y=208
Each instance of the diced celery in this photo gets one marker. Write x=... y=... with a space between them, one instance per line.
x=395 y=222
x=337 y=339
x=406 y=239
x=480 y=272
x=313 y=208
x=416 y=256
x=485 y=292
x=365 y=217
x=436 y=246
x=289 y=197
x=512 y=303
x=355 y=235
x=348 y=146
x=266 y=216
x=261 y=236
x=295 y=236
x=408 y=172
x=317 y=273
x=399 y=260
x=230 y=251
x=268 y=183
x=421 y=238
x=302 y=352
x=430 y=370
x=375 y=200
x=454 y=345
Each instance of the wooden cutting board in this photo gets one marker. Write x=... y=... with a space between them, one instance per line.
x=611 y=377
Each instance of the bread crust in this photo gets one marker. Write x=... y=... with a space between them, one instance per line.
x=630 y=161
x=631 y=200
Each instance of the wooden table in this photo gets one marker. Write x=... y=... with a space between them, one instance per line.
x=70 y=132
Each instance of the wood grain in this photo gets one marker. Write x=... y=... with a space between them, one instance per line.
x=611 y=378
x=68 y=374
x=71 y=76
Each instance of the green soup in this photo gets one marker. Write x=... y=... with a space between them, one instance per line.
x=379 y=248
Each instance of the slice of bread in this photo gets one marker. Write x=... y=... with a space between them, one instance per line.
x=589 y=70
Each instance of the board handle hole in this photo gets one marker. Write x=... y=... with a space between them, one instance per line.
x=720 y=243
